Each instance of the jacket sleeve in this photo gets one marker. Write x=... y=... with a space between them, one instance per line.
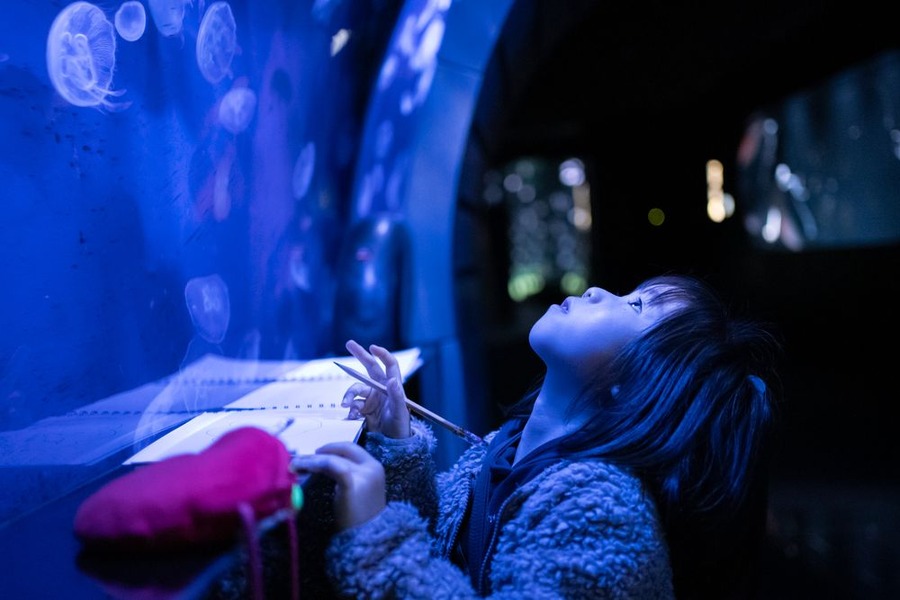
x=409 y=467
x=391 y=556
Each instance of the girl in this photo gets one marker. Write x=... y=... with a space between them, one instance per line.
x=634 y=470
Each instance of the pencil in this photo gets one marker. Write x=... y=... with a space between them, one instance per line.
x=416 y=408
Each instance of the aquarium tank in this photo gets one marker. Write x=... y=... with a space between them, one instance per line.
x=176 y=177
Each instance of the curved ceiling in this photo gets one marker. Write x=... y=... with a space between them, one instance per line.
x=580 y=69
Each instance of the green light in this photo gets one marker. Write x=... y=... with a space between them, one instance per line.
x=525 y=284
x=573 y=283
x=296 y=496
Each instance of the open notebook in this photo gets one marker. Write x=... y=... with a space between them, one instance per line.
x=302 y=408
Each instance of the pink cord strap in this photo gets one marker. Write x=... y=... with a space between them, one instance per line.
x=248 y=520
x=255 y=567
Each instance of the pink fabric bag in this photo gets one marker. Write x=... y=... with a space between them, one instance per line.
x=210 y=498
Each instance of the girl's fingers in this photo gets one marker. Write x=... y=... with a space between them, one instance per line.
x=349 y=450
x=353 y=347
x=373 y=367
x=356 y=350
x=335 y=467
x=356 y=408
x=396 y=392
x=334 y=458
x=391 y=366
x=396 y=396
x=379 y=371
x=357 y=390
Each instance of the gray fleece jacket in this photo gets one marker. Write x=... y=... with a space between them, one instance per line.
x=580 y=529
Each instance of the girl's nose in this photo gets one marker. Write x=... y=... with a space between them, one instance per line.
x=593 y=294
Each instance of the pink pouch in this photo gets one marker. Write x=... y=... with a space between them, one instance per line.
x=210 y=498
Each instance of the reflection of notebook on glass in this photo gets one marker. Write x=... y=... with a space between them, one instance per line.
x=303 y=408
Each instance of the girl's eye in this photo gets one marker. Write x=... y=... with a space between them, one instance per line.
x=637 y=304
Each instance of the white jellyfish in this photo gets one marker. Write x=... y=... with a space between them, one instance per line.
x=131 y=20
x=216 y=42
x=168 y=15
x=81 y=56
x=303 y=170
x=208 y=304
x=236 y=109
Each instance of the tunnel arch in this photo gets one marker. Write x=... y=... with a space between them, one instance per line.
x=490 y=96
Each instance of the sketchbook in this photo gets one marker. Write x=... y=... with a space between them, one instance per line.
x=302 y=408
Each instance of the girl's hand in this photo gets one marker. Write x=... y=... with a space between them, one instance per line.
x=360 y=490
x=385 y=413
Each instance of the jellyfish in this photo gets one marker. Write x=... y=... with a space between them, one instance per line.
x=303 y=170
x=236 y=109
x=131 y=20
x=209 y=307
x=81 y=56
x=322 y=10
x=168 y=15
x=216 y=42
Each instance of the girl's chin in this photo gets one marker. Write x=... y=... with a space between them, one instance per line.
x=540 y=336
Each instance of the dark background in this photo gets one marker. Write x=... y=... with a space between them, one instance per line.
x=646 y=94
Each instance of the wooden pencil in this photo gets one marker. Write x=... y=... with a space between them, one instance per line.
x=416 y=408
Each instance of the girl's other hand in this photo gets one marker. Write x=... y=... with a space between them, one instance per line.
x=359 y=491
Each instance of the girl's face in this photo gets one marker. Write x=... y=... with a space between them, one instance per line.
x=583 y=334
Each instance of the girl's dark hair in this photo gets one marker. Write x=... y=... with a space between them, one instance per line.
x=688 y=407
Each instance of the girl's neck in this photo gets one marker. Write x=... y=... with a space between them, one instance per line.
x=551 y=416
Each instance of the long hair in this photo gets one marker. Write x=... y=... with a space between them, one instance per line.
x=689 y=407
